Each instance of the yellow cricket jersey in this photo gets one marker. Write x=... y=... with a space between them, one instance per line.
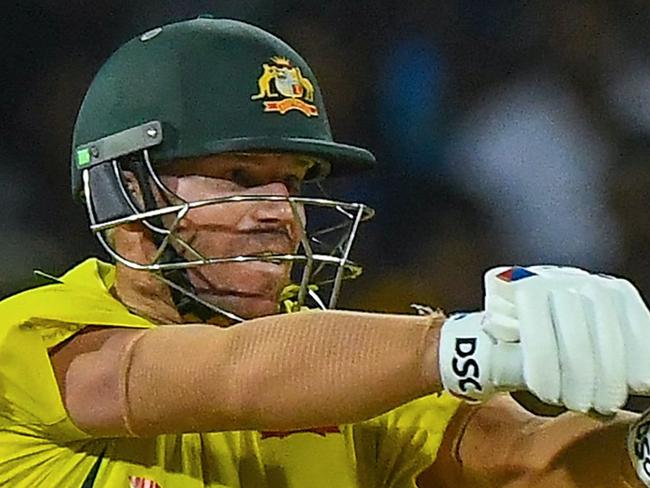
x=41 y=447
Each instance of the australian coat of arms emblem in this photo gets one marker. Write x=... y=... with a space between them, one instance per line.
x=282 y=87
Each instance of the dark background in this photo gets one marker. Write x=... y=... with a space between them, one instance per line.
x=507 y=132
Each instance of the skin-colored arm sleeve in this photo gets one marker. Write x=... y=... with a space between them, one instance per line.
x=281 y=372
x=499 y=444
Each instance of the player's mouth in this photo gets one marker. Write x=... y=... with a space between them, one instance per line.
x=214 y=292
x=261 y=279
x=233 y=299
x=249 y=243
x=268 y=242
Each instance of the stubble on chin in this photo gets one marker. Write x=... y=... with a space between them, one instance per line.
x=247 y=289
x=245 y=307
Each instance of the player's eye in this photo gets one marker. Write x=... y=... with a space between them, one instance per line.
x=241 y=178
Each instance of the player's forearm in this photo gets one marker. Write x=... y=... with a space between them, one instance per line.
x=281 y=372
x=570 y=451
x=577 y=450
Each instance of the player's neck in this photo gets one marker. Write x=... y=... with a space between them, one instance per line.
x=145 y=295
x=140 y=291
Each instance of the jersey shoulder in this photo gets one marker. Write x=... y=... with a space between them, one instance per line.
x=33 y=322
x=57 y=311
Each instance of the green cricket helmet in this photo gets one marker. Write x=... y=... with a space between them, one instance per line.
x=196 y=88
x=214 y=85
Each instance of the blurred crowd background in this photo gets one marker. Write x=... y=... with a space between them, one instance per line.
x=507 y=132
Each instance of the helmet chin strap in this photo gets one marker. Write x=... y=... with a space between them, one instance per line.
x=184 y=303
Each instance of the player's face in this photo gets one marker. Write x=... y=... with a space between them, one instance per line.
x=249 y=289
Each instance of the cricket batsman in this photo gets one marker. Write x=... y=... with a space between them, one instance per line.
x=209 y=355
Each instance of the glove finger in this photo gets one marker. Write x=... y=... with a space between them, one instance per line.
x=500 y=305
x=609 y=348
x=498 y=282
x=538 y=343
x=502 y=327
x=635 y=325
x=499 y=301
x=507 y=367
x=577 y=363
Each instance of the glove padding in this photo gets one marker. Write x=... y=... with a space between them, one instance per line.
x=569 y=337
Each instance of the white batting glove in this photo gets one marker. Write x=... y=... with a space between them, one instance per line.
x=569 y=337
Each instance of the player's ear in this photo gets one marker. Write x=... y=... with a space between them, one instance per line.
x=133 y=187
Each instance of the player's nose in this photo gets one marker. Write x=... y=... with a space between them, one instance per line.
x=271 y=212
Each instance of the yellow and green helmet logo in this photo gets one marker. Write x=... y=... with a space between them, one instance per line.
x=283 y=87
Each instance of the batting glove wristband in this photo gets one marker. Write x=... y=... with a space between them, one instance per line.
x=569 y=337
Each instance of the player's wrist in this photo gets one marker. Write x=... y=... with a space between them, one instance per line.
x=464 y=356
x=430 y=357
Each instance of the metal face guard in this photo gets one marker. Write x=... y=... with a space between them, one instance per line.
x=321 y=262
